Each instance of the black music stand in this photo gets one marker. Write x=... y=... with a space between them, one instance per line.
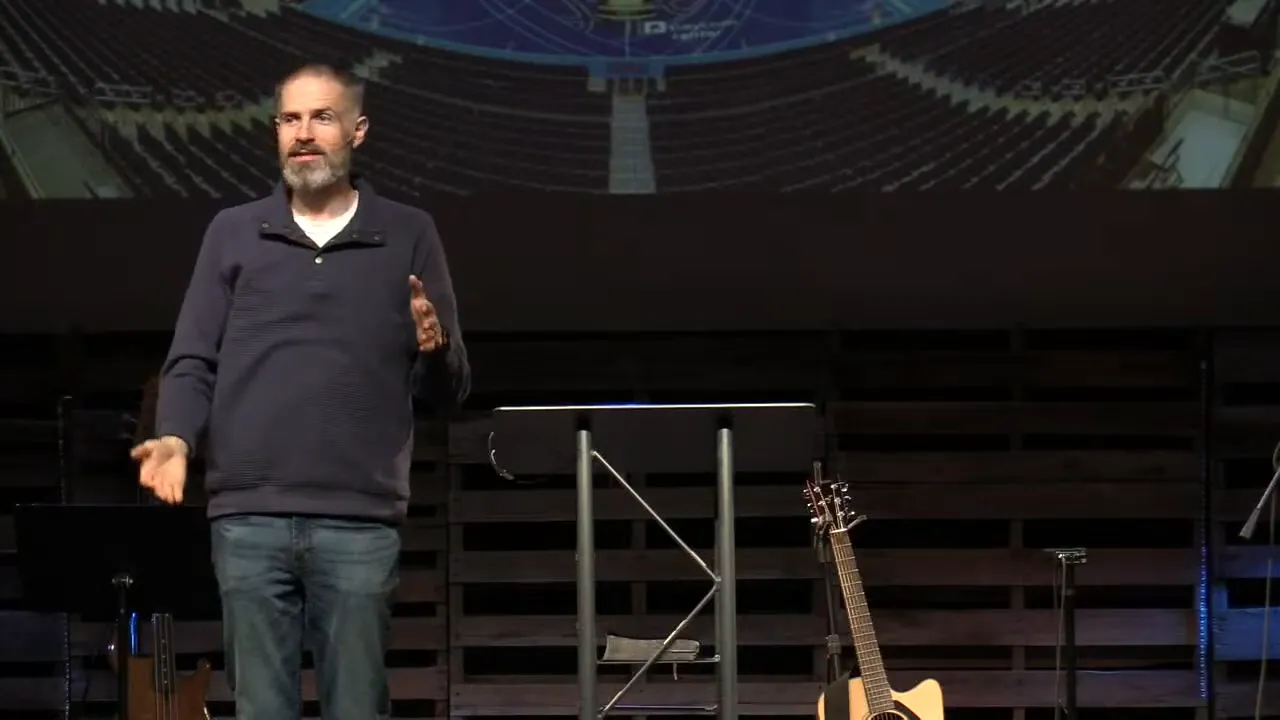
x=657 y=438
x=125 y=559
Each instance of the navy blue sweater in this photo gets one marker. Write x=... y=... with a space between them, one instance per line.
x=297 y=365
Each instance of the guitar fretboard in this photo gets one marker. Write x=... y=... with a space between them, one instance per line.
x=870 y=665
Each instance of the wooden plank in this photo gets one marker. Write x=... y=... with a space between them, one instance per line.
x=900 y=567
x=662 y=362
x=1235 y=505
x=10 y=586
x=429 y=484
x=1245 y=434
x=37 y=637
x=430 y=441
x=1245 y=562
x=1047 y=500
x=418 y=534
x=1238 y=634
x=1246 y=431
x=1034 y=369
x=961 y=689
x=98 y=686
x=1118 y=368
x=428 y=586
x=1226 y=417
x=1018 y=466
x=649 y=363
x=23 y=472
x=893 y=628
x=1251 y=356
x=976 y=418
x=1237 y=699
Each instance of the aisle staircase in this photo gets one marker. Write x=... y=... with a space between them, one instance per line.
x=630 y=158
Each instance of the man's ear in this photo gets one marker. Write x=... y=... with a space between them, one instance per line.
x=362 y=128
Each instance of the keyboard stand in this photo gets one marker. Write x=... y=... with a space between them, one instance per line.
x=657 y=438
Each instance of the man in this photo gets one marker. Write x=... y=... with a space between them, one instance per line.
x=310 y=319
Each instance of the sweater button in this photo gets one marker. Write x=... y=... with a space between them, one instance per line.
x=319 y=259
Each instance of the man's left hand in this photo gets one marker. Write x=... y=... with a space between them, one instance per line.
x=430 y=333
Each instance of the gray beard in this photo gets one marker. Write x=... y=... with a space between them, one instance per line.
x=314 y=175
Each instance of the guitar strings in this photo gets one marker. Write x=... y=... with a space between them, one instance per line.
x=878 y=693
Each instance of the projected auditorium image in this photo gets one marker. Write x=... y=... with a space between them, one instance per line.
x=174 y=98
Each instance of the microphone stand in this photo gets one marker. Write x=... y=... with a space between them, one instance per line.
x=1065 y=704
x=834 y=671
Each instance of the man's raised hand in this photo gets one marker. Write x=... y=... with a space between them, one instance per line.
x=162 y=467
x=429 y=331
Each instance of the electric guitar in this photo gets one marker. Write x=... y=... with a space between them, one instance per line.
x=870 y=696
x=156 y=690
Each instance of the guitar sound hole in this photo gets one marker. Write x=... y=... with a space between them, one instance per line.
x=887 y=716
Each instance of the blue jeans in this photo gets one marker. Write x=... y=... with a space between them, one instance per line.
x=289 y=580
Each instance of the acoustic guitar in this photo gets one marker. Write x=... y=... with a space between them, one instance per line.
x=870 y=697
x=156 y=690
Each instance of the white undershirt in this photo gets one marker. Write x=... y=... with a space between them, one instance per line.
x=322 y=231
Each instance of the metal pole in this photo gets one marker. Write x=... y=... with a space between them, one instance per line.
x=727 y=608
x=1069 y=635
x=586 y=559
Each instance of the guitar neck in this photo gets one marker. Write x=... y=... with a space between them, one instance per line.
x=164 y=664
x=867 y=649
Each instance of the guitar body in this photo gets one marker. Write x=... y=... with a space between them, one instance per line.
x=922 y=702
x=148 y=698
x=188 y=696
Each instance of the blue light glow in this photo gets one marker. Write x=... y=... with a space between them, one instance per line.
x=1202 y=616
x=133 y=634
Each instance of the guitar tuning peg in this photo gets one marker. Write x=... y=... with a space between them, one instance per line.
x=858 y=521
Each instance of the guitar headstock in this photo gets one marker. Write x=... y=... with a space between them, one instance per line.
x=830 y=505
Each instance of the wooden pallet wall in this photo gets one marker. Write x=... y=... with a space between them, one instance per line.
x=969 y=452
x=1246 y=430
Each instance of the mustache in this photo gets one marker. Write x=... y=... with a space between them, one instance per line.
x=297 y=150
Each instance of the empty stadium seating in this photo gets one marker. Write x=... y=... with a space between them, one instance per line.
x=838 y=116
x=1090 y=42
x=183 y=57
x=843 y=123
x=440 y=122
